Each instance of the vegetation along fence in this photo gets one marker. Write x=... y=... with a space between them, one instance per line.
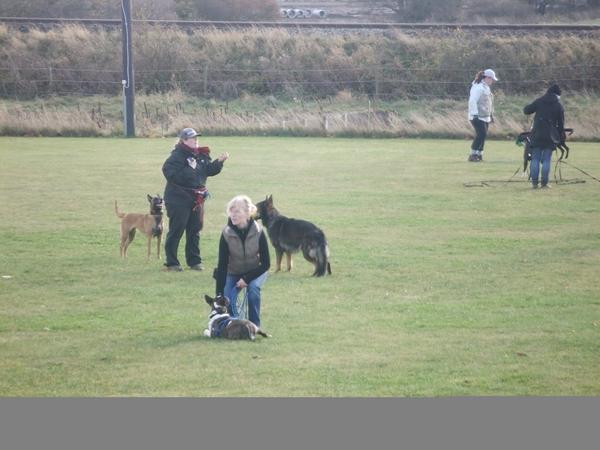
x=226 y=64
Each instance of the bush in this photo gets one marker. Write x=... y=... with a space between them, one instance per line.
x=227 y=9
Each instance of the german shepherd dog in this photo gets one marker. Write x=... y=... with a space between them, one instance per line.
x=221 y=324
x=292 y=235
x=149 y=224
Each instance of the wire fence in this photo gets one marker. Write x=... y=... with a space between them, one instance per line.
x=211 y=81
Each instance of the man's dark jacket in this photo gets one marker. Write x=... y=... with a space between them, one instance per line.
x=182 y=178
x=549 y=121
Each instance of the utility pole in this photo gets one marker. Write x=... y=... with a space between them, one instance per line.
x=127 y=80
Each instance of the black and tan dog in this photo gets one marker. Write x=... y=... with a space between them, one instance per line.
x=150 y=224
x=222 y=325
x=289 y=236
x=524 y=139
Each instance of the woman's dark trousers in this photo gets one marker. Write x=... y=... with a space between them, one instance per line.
x=182 y=218
x=481 y=129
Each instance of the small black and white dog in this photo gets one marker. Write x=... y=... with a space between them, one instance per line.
x=222 y=325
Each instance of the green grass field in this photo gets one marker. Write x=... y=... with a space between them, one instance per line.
x=437 y=289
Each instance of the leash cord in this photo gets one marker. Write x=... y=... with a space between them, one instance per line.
x=243 y=308
x=581 y=170
x=513 y=175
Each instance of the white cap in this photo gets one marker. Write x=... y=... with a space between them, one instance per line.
x=490 y=73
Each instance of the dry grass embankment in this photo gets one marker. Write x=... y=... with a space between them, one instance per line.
x=344 y=115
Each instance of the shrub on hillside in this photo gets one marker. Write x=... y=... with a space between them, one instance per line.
x=227 y=9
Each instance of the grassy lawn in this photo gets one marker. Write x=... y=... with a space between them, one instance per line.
x=437 y=289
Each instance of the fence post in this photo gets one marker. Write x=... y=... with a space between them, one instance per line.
x=206 y=79
x=325 y=123
x=128 y=77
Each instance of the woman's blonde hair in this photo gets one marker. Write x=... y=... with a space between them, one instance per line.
x=243 y=202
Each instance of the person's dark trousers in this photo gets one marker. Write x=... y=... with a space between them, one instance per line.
x=481 y=129
x=182 y=219
x=543 y=156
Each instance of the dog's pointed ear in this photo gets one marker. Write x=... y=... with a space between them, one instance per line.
x=270 y=199
x=209 y=300
x=149 y=198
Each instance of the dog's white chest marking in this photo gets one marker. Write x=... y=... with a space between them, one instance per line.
x=212 y=320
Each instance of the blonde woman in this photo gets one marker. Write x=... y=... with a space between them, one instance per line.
x=481 y=110
x=244 y=259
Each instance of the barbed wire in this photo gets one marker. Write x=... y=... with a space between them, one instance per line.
x=224 y=82
x=292 y=82
x=213 y=67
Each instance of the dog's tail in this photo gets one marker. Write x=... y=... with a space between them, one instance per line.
x=262 y=333
x=120 y=214
x=319 y=253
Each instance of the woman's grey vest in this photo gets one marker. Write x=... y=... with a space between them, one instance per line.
x=243 y=256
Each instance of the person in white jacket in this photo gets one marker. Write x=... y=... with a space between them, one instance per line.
x=481 y=110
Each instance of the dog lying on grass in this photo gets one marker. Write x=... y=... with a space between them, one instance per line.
x=222 y=325
x=149 y=224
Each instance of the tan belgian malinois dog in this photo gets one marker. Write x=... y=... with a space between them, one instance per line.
x=150 y=224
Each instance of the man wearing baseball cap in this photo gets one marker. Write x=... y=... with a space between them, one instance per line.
x=186 y=171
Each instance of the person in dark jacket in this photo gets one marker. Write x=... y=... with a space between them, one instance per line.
x=186 y=170
x=244 y=259
x=548 y=131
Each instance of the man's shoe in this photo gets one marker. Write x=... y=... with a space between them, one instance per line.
x=545 y=186
x=480 y=158
x=197 y=267
x=173 y=268
x=472 y=158
x=534 y=186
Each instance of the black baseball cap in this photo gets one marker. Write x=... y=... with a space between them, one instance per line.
x=188 y=133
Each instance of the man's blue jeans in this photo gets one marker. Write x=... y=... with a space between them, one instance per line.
x=253 y=289
x=543 y=155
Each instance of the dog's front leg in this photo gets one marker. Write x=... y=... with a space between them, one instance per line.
x=158 y=247
x=289 y=261
x=149 y=247
x=279 y=255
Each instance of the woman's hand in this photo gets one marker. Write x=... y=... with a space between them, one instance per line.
x=223 y=157
x=241 y=284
